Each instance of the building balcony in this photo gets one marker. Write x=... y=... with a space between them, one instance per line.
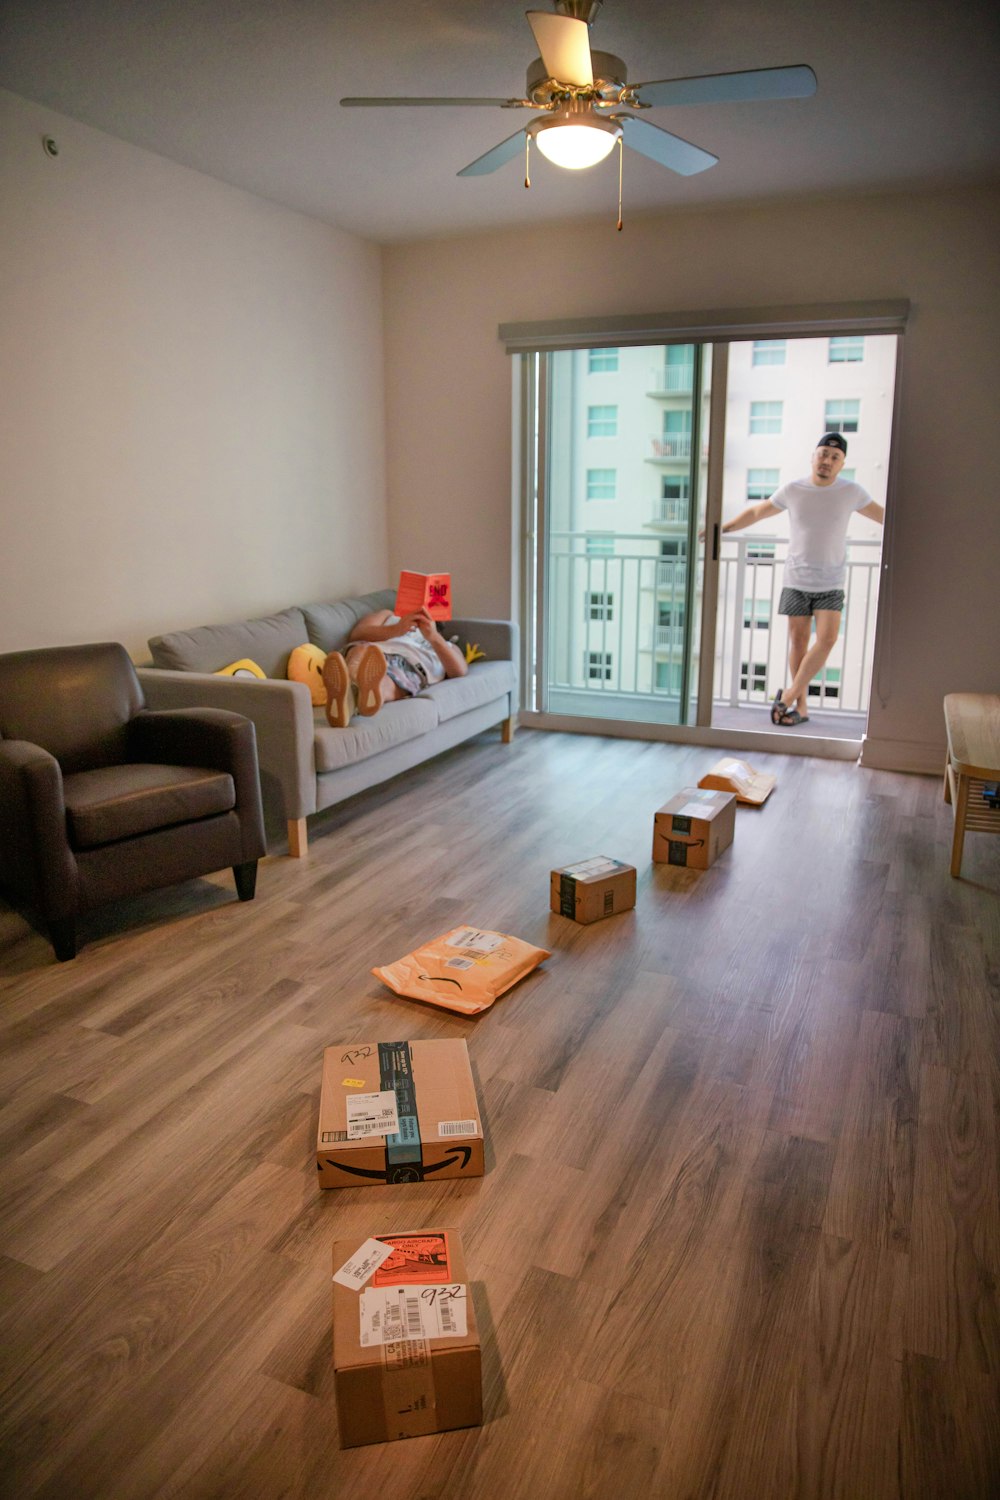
x=670 y=380
x=665 y=448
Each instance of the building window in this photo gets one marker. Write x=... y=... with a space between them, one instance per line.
x=841 y=416
x=599 y=666
x=602 y=421
x=769 y=351
x=756 y=680
x=849 y=350
x=600 y=543
x=760 y=552
x=765 y=416
x=670 y=614
x=668 y=677
x=600 y=606
x=761 y=483
x=601 y=484
x=602 y=361
x=676 y=487
x=826 y=685
x=848 y=474
x=756 y=614
x=674 y=547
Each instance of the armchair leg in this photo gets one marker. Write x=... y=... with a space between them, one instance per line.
x=246 y=879
x=62 y=933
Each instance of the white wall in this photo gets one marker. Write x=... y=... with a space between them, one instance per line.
x=191 y=398
x=449 y=403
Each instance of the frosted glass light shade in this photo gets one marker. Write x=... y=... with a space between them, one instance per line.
x=572 y=145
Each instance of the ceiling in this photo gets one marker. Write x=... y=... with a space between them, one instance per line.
x=248 y=91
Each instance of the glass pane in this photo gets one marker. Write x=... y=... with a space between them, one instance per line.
x=620 y=600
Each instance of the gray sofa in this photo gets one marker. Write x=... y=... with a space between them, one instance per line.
x=305 y=765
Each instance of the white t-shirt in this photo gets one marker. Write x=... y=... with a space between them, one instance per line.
x=818 y=517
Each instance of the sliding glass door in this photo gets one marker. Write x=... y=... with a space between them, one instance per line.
x=620 y=490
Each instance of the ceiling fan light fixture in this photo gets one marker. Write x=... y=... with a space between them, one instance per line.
x=568 y=141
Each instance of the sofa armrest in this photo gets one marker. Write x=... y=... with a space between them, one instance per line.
x=36 y=862
x=497 y=638
x=282 y=714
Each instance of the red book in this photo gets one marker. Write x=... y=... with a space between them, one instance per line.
x=430 y=591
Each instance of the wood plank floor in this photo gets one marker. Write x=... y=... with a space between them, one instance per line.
x=739 y=1232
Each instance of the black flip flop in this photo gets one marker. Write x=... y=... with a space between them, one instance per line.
x=778 y=709
x=791 y=717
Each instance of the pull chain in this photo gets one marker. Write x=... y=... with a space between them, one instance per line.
x=527 y=156
x=621 y=157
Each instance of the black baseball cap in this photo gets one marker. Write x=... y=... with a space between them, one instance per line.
x=833 y=440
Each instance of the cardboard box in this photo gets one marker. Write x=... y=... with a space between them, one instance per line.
x=729 y=775
x=398 y=1112
x=406 y=1352
x=430 y=591
x=693 y=828
x=592 y=889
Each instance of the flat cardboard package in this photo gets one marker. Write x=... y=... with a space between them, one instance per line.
x=430 y=591
x=406 y=1352
x=592 y=889
x=398 y=1112
x=728 y=775
x=693 y=828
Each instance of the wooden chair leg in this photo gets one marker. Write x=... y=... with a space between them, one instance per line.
x=961 y=807
x=507 y=729
x=246 y=879
x=62 y=933
x=298 y=838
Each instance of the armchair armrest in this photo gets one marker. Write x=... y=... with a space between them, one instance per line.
x=210 y=737
x=282 y=714
x=36 y=862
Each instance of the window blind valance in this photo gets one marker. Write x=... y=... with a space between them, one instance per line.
x=706 y=326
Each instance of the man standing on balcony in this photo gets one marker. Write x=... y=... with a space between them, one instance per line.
x=819 y=510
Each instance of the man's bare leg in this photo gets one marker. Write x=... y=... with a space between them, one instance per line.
x=814 y=659
x=799 y=627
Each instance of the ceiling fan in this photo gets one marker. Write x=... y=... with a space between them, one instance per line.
x=585 y=101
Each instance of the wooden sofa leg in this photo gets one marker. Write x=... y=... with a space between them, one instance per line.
x=298 y=838
x=62 y=933
x=507 y=729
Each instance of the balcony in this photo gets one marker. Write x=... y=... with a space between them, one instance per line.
x=638 y=587
x=671 y=380
x=676 y=446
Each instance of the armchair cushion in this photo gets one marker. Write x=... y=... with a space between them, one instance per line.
x=121 y=802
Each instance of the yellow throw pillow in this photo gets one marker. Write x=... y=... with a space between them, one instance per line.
x=242 y=668
x=306 y=665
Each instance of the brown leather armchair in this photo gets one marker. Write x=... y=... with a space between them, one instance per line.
x=101 y=798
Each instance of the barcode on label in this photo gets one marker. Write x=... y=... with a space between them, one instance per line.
x=447 y=1317
x=332 y=1137
x=414 y=1326
x=458 y=963
x=457 y=1127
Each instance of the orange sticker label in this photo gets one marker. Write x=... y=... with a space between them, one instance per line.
x=353 y=1083
x=418 y=1259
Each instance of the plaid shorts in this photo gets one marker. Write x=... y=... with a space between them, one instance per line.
x=795 y=602
x=407 y=677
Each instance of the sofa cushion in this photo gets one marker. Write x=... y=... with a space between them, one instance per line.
x=484 y=681
x=268 y=641
x=394 y=724
x=121 y=802
x=329 y=625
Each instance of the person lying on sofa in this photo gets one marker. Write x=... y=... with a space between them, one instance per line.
x=387 y=658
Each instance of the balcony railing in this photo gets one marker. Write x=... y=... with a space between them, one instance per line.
x=671 y=512
x=637 y=589
x=677 y=446
x=673 y=380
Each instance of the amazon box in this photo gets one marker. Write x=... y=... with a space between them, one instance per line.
x=398 y=1112
x=592 y=889
x=430 y=591
x=406 y=1354
x=693 y=828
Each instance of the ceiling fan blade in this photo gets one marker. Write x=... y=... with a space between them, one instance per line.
x=389 y=103
x=669 y=150
x=564 y=44
x=497 y=157
x=727 y=88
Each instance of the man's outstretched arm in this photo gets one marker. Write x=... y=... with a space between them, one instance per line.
x=753 y=513
x=874 y=512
